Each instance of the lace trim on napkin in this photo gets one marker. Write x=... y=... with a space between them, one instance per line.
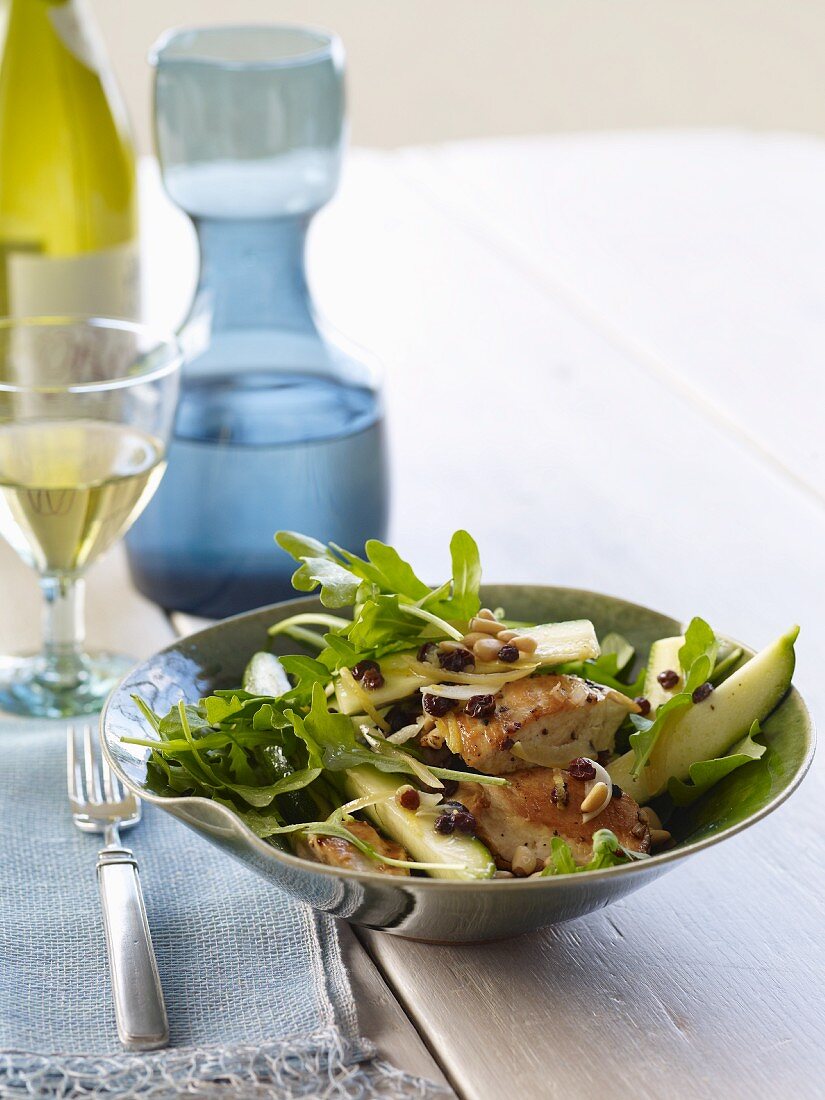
x=320 y=1066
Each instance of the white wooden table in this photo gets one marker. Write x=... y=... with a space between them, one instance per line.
x=639 y=323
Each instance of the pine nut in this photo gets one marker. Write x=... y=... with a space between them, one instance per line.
x=450 y=647
x=486 y=626
x=503 y=874
x=523 y=862
x=508 y=635
x=594 y=798
x=487 y=649
x=471 y=639
x=659 y=837
x=486 y=613
x=525 y=644
x=650 y=816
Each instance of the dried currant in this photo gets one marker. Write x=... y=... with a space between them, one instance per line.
x=372 y=679
x=363 y=667
x=454 y=817
x=702 y=692
x=437 y=705
x=481 y=706
x=456 y=660
x=668 y=679
x=581 y=768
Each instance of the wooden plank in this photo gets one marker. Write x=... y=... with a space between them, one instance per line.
x=381 y=1017
x=514 y=416
x=700 y=252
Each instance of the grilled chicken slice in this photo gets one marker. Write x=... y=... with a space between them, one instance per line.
x=336 y=852
x=542 y=720
x=540 y=803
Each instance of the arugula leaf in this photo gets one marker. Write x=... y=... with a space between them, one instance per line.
x=700 y=641
x=696 y=659
x=332 y=733
x=392 y=573
x=607 y=852
x=643 y=741
x=340 y=653
x=561 y=860
x=301 y=546
x=263 y=823
x=296 y=627
x=319 y=566
x=339 y=586
x=463 y=601
x=219 y=708
x=305 y=673
x=388 y=595
x=614 y=660
x=235 y=747
x=705 y=773
x=382 y=620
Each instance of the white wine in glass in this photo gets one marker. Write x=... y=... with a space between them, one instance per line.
x=69 y=490
x=86 y=408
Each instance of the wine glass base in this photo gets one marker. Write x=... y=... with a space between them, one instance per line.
x=25 y=690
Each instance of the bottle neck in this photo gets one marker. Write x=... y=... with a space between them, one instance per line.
x=252 y=274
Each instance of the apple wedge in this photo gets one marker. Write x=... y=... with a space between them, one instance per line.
x=708 y=729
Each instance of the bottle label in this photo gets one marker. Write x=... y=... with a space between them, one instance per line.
x=105 y=282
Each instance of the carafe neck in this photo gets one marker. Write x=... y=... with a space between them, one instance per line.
x=252 y=273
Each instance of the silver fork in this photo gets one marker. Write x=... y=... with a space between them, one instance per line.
x=99 y=804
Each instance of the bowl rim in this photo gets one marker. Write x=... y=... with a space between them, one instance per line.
x=662 y=861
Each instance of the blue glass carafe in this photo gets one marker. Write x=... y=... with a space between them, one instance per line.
x=279 y=426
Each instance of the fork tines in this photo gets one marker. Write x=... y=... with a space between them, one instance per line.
x=90 y=779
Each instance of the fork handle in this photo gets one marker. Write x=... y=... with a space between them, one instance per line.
x=139 y=1009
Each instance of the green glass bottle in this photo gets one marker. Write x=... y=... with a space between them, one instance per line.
x=68 y=196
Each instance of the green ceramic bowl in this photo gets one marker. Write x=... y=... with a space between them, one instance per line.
x=430 y=909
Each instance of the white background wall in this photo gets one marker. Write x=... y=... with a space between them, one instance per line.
x=431 y=70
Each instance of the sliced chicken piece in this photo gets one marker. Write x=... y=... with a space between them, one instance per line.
x=542 y=720
x=540 y=803
x=336 y=852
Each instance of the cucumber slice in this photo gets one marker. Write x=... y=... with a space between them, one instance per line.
x=558 y=643
x=415 y=831
x=265 y=675
x=707 y=730
x=664 y=655
x=399 y=682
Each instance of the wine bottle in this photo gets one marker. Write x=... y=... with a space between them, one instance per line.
x=68 y=214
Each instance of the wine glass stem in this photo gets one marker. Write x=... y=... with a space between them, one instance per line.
x=63 y=630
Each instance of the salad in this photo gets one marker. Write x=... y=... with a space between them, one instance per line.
x=424 y=734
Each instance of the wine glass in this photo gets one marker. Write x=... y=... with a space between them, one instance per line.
x=86 y=410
